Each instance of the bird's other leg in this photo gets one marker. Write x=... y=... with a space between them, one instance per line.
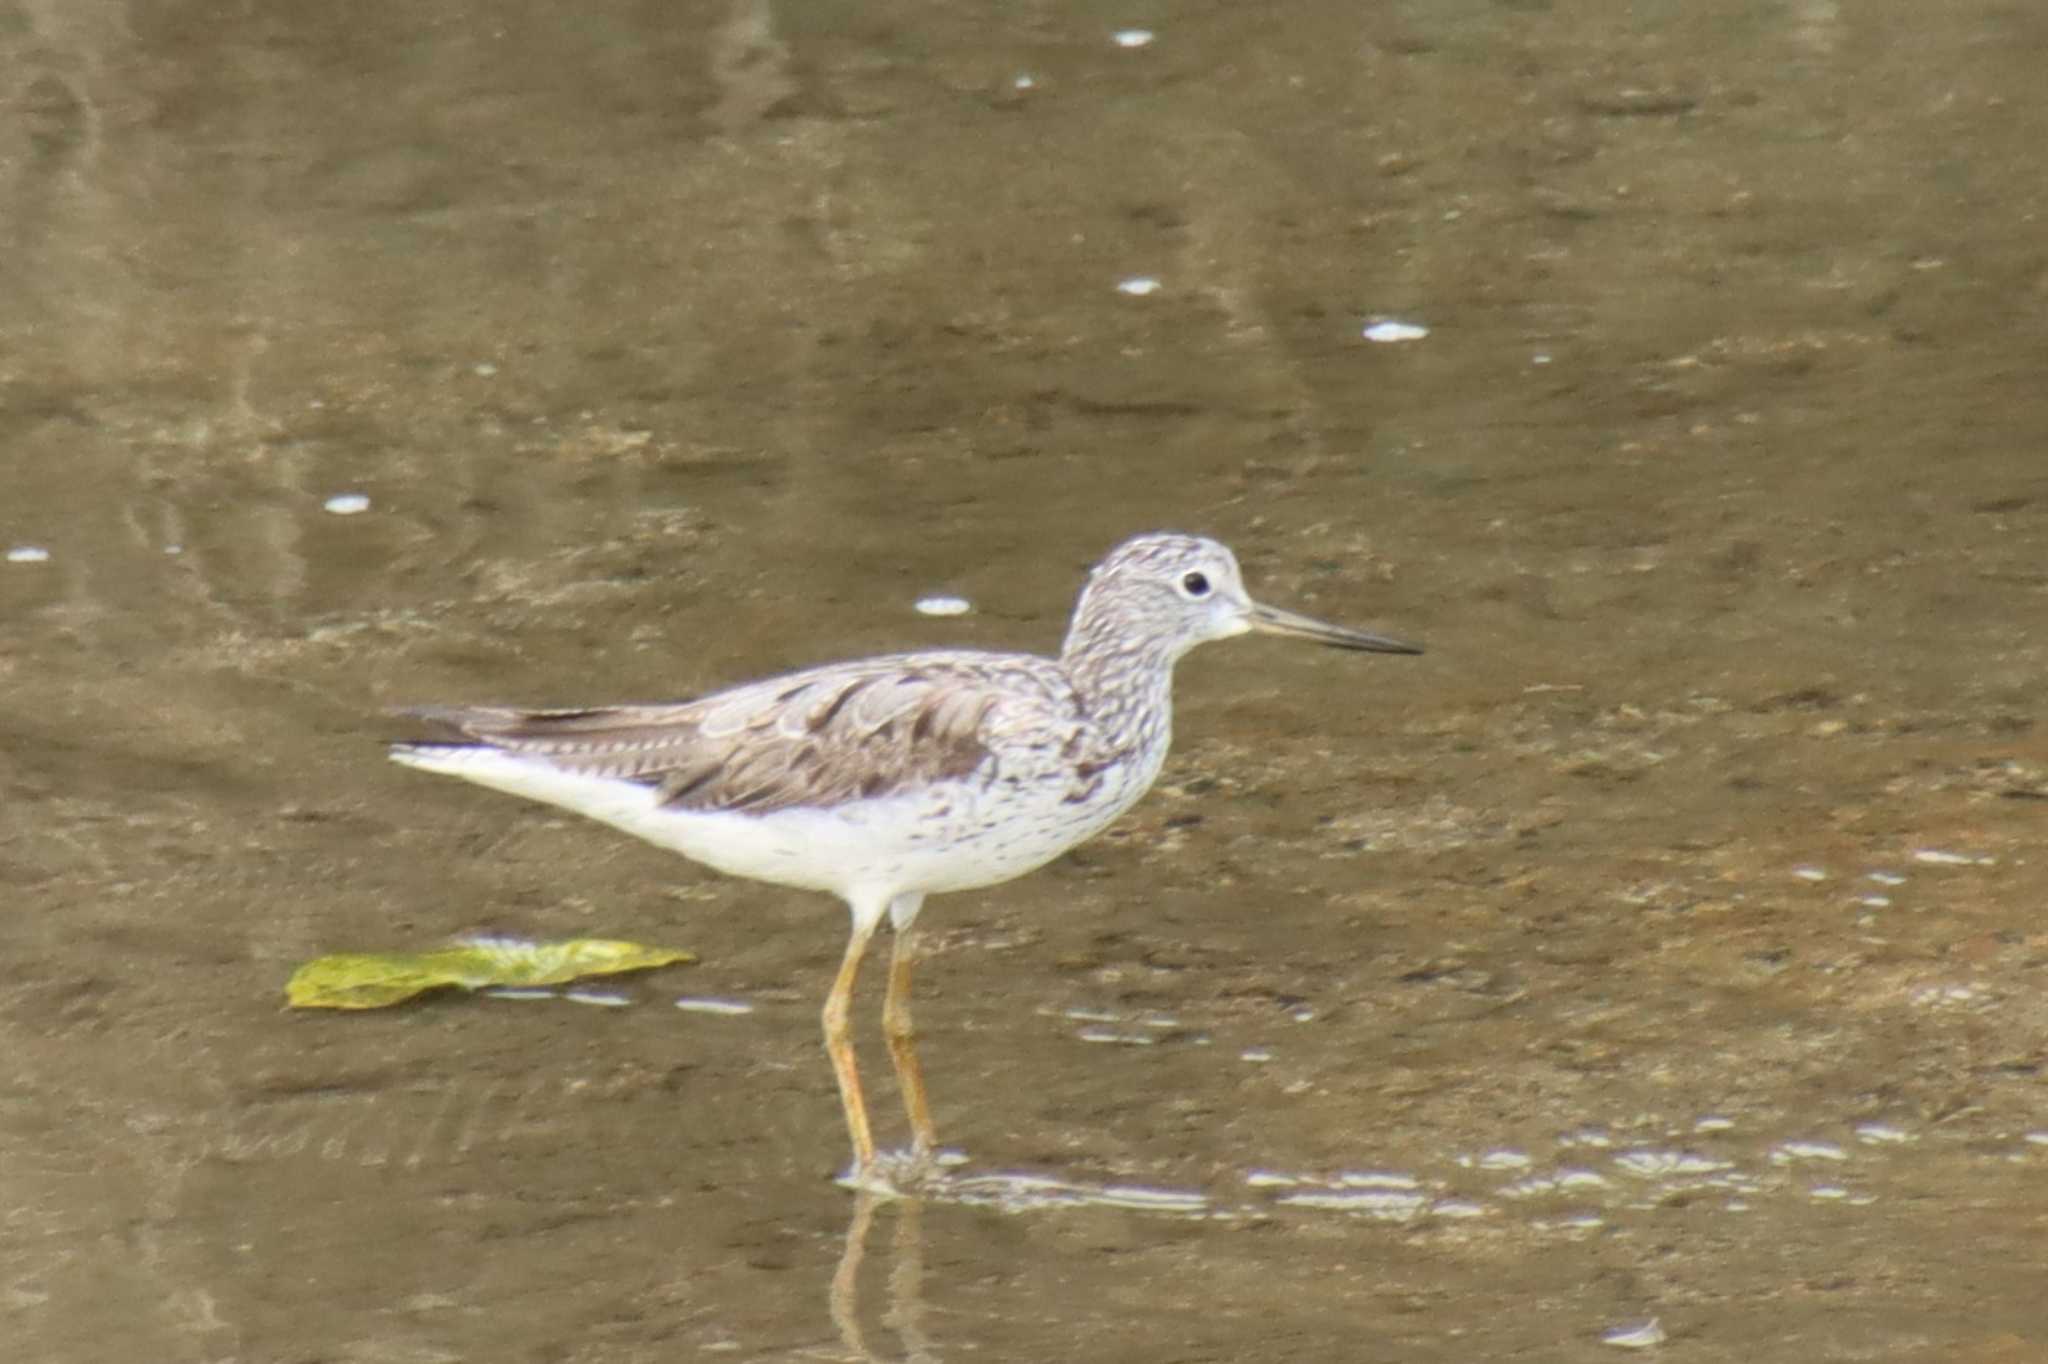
x=897 y=1026
x=839 y=1043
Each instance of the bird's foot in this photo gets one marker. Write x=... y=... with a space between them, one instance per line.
x=901 y=1174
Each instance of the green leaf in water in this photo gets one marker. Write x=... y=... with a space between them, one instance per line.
x=372 y=980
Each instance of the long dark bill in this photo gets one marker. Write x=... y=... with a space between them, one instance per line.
x=1271 y=620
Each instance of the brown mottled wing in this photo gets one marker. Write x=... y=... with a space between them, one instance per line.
x=816 y=739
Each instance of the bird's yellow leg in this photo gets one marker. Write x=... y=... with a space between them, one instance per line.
x=839 y=1045
x=902 y=1038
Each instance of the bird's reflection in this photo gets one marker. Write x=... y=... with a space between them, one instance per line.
x=905 y=1195
x=905 y=1314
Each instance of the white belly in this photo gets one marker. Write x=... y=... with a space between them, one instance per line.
x=956 y=836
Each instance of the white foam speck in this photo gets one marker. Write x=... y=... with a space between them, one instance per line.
x=1387 y=330
x=1886 y=878
x=603 y=998
x=1140 y=1196
x=1114 y=1038
x=1133 y=37
x=1378 y=1179
x=1941 y=858
x=1640 y=1335
x=1787 y=1151
x=347 y=504
x=1810 y=873
x=1137 y=286
x=1651 y=1164
x=1381 y=1204
x=714 y=1006
x=1935 y=995
x=943 y=606
x=519 y=992
x=1882 y=1134
x=1713 y=1123
x=1024 y=82
x=28 y=554
x=1255 y=1054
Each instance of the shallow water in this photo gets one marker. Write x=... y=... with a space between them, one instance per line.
x=1655 y=965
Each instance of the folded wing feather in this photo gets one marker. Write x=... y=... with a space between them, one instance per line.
x=814 y=739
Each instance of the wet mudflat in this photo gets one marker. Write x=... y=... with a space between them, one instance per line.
x=1655 y=966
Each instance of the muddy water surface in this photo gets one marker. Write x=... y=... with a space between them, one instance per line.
x=1657 y=964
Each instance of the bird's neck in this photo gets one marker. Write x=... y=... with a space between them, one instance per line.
x=1124 y=677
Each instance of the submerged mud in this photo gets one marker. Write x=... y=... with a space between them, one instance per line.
x=1657 y=963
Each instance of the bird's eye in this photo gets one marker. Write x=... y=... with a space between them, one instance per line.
x=1195 y=584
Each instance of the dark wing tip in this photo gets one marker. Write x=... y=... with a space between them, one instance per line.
x=438 y=726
